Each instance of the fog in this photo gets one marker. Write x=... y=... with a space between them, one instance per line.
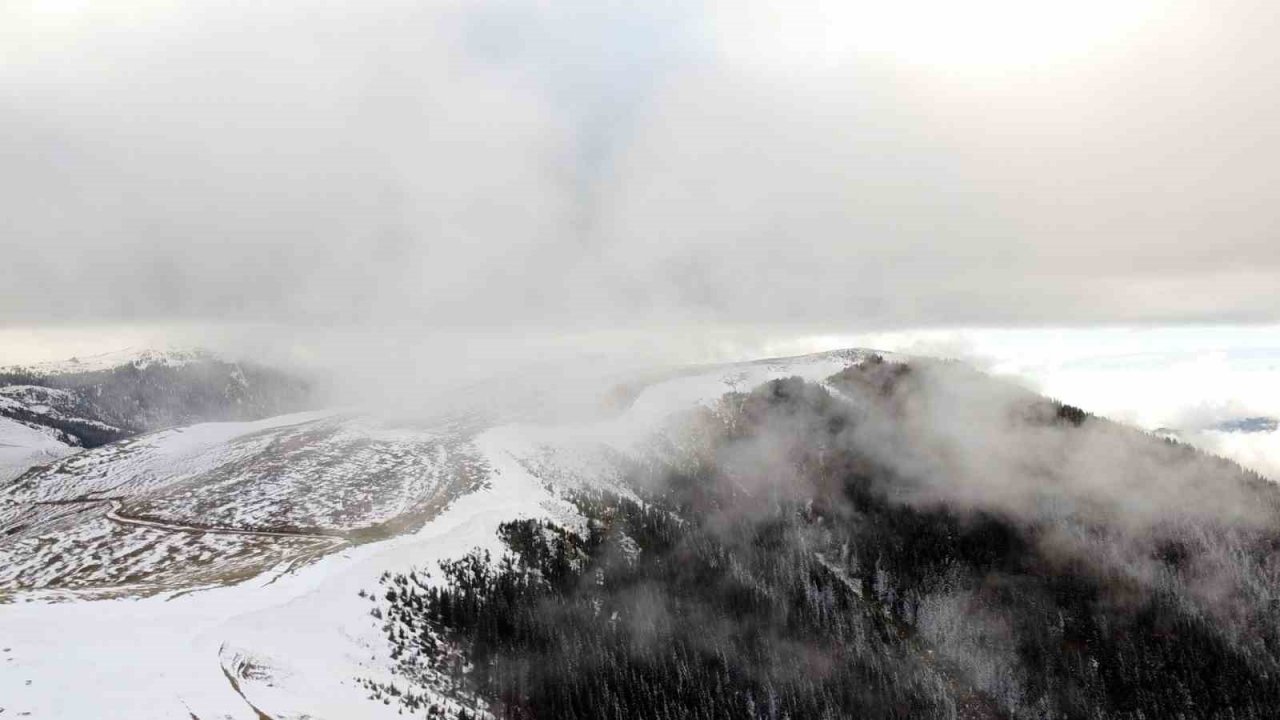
x=568 y=168
x=419 y=195
x=1096 y=498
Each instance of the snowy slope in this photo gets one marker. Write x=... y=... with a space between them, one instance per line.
x=292 y=643
x=27 y=433
x=144 y=463
x=139 y=357
x=105 y=398
x=23 y=446
x=309 y=631
x=220 y=502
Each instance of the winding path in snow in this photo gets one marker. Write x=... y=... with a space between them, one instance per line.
x=113 y=514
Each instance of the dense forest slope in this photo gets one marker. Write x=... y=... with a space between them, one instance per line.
x=899 y=541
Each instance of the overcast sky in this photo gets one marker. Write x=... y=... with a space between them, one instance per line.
x=574 y=166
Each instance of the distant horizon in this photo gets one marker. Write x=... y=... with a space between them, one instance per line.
x=1183 y=376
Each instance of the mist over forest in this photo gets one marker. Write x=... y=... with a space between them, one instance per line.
x=809 y=550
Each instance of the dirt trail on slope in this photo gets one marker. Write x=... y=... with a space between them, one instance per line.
x=114 y=514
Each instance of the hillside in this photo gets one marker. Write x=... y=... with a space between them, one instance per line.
x=105 y=398
x=807 y=558
x=837 y=535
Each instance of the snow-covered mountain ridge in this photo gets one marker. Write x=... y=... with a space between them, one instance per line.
x=254 y=569
x=101 y=399
x=141 y=522
x=137 y=357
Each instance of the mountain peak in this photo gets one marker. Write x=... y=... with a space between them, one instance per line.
x=139 y=357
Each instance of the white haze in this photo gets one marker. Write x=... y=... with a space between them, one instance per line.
x=1100 y=497
x=1182 y=378
x=419 y=194
x=573 y=166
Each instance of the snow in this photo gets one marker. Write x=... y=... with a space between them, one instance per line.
x=149 y=461
x=162 y=657
x=151 y=512
x=20 y=396
x=138 y=357
x=297 y=638
x=701 y=388
x=23 y=447
x=53 y=403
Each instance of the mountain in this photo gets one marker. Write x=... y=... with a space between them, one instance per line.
x=89 y=402
x=1256 y=424
x=151 y=514
x=849 y=534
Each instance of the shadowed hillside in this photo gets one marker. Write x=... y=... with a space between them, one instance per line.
x=95 y=404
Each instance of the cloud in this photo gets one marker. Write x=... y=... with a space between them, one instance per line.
x=579 y=166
